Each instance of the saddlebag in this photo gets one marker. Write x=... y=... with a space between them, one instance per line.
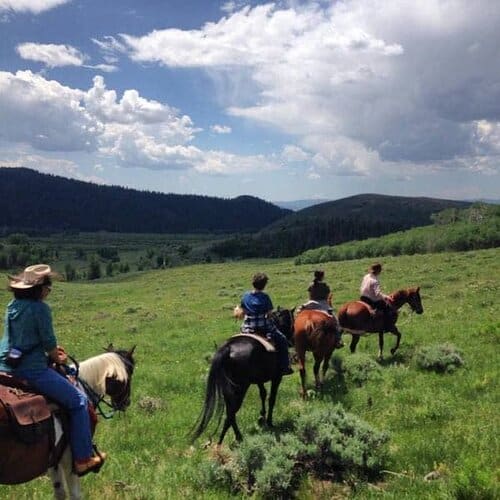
x=27 y=414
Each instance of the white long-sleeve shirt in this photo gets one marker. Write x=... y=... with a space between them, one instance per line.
x=370 y=287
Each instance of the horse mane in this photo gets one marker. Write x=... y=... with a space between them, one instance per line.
x=95 y=370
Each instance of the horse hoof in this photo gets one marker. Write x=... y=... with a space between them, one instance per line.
x=261 y=421
x=393 y=351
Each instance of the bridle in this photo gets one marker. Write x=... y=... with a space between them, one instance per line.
x=116 y=402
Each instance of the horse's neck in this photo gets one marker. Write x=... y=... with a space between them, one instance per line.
x=91 y=375
x=399 y=298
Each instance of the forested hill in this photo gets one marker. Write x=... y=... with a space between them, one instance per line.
x=354 y=218
x=31 y=201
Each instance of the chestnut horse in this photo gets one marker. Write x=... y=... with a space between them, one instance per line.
x=312 y=330
x=358 y=318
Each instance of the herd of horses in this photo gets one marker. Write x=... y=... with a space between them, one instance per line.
x=241 y=361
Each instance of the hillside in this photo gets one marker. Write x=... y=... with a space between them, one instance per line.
x=353 y=218
x=443 y=422
x=453 y=230
x=50 y=204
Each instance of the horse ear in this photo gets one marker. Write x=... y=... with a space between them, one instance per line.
x=418 y=289
x=110 y=347
x=129 y=353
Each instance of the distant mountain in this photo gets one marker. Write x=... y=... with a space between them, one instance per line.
x=353 y=218
x=35 y=202
x=298 y=204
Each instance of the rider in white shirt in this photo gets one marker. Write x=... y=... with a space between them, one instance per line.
x=371 y=293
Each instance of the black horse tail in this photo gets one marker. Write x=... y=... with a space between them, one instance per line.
x=214 y=399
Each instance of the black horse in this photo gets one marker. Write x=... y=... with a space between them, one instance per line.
x=241 y=361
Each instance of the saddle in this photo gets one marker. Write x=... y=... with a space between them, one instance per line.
x=312 y=305
x=259 y=335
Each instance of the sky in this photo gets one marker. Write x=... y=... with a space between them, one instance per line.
x=286 y=100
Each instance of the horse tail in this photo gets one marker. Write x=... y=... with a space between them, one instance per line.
x=342 y=316
x=214 y=399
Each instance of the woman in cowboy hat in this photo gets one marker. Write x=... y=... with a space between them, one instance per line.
x=28 y=339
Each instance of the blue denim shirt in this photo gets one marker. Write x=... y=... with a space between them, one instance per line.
x=28 y=325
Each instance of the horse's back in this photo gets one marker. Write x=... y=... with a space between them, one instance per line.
x=245 y=359
x=310 y=318
x=355 y=315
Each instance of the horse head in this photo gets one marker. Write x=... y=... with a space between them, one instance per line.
x=414 y=300
x=283 y=319
x=119 y=389
x=109 y=374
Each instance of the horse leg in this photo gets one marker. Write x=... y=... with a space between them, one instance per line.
x=58 y=482
x=317 y=363
x=302 y=371
x=263 y=395
x=326 y=364
x=300 y=351
x=234 y=399
x=354 y=343
x=380 y=345
x=72 y=480
x=62 y=477
x=272 y=399
x=396 y=332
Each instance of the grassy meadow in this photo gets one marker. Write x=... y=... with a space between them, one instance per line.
x=445 y=422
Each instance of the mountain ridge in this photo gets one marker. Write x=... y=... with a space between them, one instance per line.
x=53 y=203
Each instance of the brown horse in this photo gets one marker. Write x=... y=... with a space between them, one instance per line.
x=358 y=318
x=312 y=330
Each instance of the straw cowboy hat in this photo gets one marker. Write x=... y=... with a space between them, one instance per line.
x=31 y=276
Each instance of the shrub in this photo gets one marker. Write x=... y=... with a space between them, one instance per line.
x=340 y=443
x=327 y=443
x=473 y=481
x=439 y=358
x=359 y=368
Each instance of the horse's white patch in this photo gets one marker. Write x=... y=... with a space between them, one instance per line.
x=58 y=430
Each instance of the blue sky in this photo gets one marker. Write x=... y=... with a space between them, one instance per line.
x=286 y=100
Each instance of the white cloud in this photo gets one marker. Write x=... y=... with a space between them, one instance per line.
x=54 y=56
x=45 y=114
x=107 y=68
x=51 y=55
x=33 y=6
x=362 y=84
x=292 y=153
x=220 y=129
x=131 y=130
x=220 y=162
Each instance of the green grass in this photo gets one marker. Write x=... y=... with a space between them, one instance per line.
x=447 y=422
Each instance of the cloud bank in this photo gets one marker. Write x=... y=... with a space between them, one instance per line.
x=360 y=83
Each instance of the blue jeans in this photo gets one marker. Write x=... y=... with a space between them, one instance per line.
x=49 y=383
x=282 y=347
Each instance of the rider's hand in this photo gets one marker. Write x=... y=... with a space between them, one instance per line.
x=61 y=355
x=58 y=355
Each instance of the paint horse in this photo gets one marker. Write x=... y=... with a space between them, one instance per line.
x=358 y=318
x=107 y=374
